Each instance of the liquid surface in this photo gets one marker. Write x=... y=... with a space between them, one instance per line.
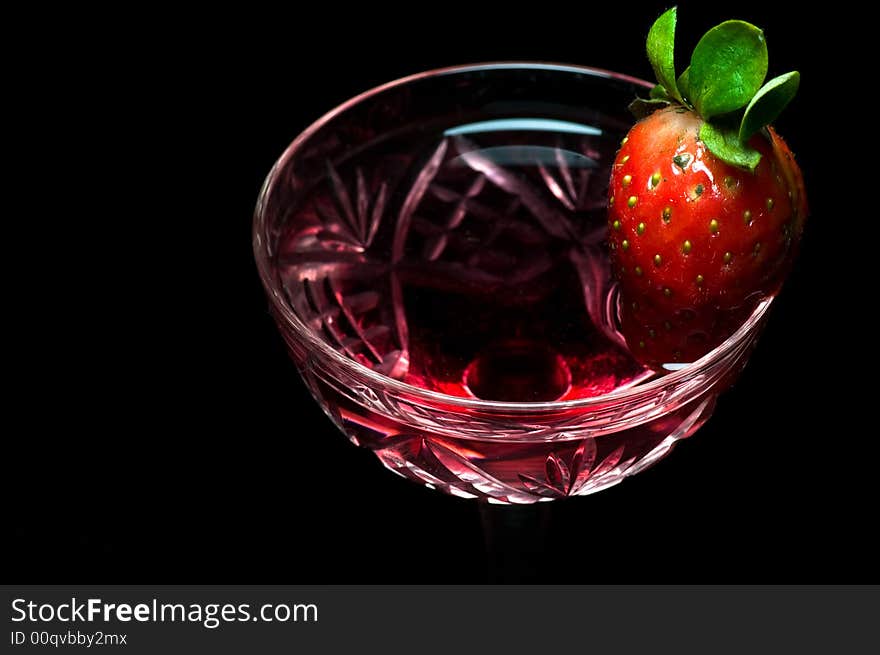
x=470 y=259
x=471 y=262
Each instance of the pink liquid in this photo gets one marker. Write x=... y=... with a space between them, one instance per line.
x=451 y=456
x=506 y=347
x=474 y=266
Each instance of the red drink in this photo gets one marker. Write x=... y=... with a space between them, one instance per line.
x=444 y=285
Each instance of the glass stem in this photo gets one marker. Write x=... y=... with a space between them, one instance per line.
x=515 y=536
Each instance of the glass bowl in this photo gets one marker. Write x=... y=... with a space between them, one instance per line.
x=433 y=252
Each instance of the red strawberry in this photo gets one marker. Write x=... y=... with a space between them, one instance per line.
x=703 y=220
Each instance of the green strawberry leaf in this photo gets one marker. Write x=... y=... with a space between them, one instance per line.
x=683 y=84
x=768 y=103
x=727 y=68
x=659 y=93
x=724 y=143
x=661 y=48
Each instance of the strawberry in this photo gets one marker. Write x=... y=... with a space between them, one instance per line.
x=706 y=202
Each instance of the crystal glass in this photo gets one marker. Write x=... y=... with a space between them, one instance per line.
x=434 y=255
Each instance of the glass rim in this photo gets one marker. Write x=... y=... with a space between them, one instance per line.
x=320 y=347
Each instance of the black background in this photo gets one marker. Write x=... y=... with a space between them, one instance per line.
x=165 y=436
